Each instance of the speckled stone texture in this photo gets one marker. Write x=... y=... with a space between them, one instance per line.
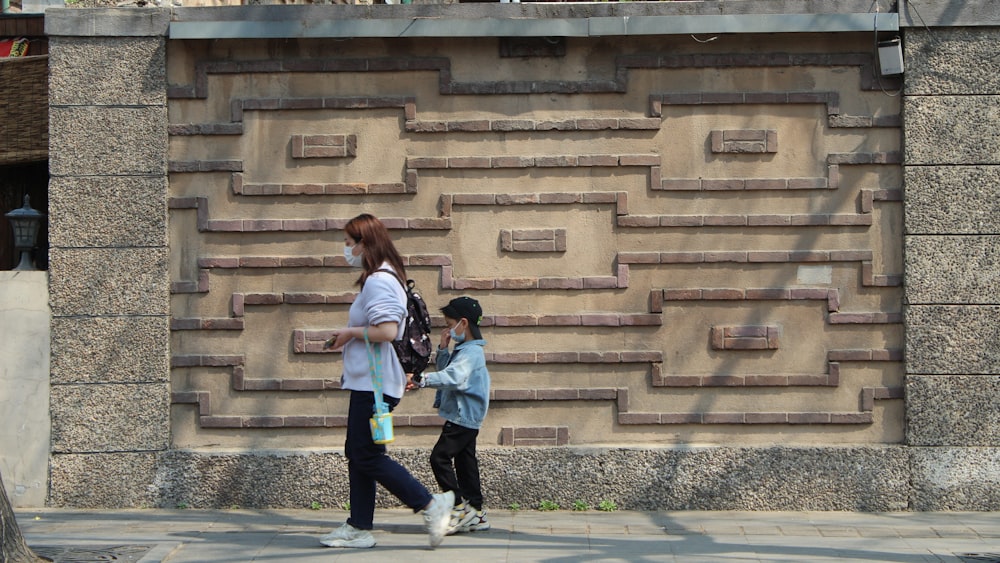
x=952 y=199
x=110 y=350
x=88 y=140
x=133 y=71
x=949 y=129
x=952 y=61
x=952 y=264
x=956 y=478
x=110 y=418
x=109 y=281
x=953 y=410
x=952 y=340
x=108 y=211
x=848 y=478
x=109 y=480
x=953 y=269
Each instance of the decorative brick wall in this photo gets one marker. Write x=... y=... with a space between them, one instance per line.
x=655 y=269
x=452 y=185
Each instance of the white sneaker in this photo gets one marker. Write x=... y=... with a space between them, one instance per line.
x=348 y=536
x=438 y=515
x=477 y=523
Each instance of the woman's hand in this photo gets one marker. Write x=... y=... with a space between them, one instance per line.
x=337 y=340
x=445 y=338
x=383 y=332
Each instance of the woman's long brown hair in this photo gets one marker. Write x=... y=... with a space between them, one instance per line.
x=378 y=247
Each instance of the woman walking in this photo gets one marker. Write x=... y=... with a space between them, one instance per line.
x=378 y=314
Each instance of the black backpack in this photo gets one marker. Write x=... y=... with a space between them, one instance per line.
x=414 y=348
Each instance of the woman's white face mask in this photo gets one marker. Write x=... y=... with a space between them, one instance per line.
x=354 y=260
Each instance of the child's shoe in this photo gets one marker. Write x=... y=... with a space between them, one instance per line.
x=476 y=522
x=460 y=515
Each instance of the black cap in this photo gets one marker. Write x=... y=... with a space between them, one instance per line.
x=465 y=308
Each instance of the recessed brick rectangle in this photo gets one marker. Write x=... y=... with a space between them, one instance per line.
x=739 y=141
x=746 y=337
x=324 y=146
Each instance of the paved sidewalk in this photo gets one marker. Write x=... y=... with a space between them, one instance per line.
x=188 y=536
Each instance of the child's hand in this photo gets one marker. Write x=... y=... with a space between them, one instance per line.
x=410 y=384
x=445 y=338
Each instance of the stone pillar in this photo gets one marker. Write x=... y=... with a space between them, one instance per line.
x=109 y=288
x=952 y=250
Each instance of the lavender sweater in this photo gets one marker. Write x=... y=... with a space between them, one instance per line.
x=381 y=300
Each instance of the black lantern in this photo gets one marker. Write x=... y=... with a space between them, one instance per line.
x=25 y=222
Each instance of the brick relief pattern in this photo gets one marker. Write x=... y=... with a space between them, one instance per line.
x=869 y=304
x=533 y=240
x=745 y=337
x=324 y=146
x=739 y=141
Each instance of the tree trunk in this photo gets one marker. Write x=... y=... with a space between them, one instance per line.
x=12 y=546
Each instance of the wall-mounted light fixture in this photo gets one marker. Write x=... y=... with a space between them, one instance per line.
x=25 y=222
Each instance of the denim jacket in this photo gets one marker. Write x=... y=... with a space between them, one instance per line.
x=463 y=383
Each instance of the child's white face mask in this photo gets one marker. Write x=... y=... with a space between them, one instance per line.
x=354 y=261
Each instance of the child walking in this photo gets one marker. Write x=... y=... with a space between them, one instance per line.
x=463 y=385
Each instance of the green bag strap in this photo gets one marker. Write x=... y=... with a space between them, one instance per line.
x=375 y=368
